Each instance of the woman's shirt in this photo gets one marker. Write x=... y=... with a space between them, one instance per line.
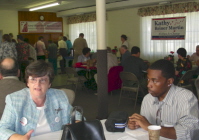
x=183 y=66
x=21 y=113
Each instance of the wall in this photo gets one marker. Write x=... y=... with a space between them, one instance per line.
x=125 y=21
x=34 y=16
x=9 y=22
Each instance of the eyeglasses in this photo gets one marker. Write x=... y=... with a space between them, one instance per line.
x=158 y=116
x=34 y=80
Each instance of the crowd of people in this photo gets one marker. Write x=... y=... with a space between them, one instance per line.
x=34 y=108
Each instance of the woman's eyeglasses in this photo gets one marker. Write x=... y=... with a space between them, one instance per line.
x=41 y=80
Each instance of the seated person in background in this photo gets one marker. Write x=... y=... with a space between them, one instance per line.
x=111 y=59
x=195 y=56
x=124 y=52
x=134 y=63
x=137 y=66
x=9 y=81
x=85 y=60
x=37 y=109
x=183 y=64
x=174 y=108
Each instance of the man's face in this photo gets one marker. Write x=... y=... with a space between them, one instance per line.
x=158 y=86
x=122 y=50
x=197 y=51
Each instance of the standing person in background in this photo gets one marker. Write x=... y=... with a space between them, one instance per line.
x=40 y=48
x=23 y=55
x=12 y=39
x=124 y=40
x=69 y=46
x=7 y=48
x=78 y=46
x=52 y=55
x=62 y=47
x=32 y=51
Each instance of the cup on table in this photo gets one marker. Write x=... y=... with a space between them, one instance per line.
x=154 y=132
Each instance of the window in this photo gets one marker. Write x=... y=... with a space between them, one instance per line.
x=153 y=50
x=89 y=30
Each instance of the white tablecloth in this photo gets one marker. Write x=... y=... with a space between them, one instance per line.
x=109 y=135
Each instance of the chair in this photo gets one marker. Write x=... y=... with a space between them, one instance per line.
x=70 y=94
x=186 y=81
x=127 y=78
x=76 y=79
x=114 y=81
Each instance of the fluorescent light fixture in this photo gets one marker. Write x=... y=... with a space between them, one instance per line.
x=44 y=6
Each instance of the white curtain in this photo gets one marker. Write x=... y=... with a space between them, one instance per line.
x=153 y=50
x=89 y=30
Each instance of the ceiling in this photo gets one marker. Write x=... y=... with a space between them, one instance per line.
x=71 y=7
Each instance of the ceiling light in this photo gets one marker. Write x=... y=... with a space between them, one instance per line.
x=44 y=6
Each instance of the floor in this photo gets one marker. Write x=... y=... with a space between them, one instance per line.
x=89 y=101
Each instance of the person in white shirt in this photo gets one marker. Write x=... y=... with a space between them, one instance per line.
x=195 y=56
x=124 y=40
x=40 y=48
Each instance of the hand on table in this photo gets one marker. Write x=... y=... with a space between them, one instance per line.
x=21 y=137
x=139 y=121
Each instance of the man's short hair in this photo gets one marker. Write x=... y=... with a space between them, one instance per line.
x=124 y=46
x=40 y=37
x=13 y=71
x=86 y=50
x=135 y=50
x=81 y=34
x=167 y=68
x=197 y=46
x=182 y=52
x=20 y=37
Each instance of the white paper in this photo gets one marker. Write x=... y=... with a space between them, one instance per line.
x=126 y=138
x=137 y=132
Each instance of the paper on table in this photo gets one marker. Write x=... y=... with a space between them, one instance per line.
x=126 y=138
x=136 y=132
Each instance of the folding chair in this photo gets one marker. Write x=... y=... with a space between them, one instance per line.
x=76 y=79
x=186 y=80
x=128 y=78
x=70 y=94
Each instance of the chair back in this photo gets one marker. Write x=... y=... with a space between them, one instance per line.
x=70 y=94
x=186 y=77
x=128 y=76
x=114 y=81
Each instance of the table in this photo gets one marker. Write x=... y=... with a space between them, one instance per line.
x=108 y=135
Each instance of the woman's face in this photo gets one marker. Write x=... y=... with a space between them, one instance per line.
x=38 y=86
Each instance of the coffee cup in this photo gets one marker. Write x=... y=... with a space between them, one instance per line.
x=154 y=132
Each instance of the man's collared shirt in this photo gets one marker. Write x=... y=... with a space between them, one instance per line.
x=179 y=109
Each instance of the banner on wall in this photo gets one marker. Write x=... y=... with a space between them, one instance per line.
x=168 y=28
x=40 y=27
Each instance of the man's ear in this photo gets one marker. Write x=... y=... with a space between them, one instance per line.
x=18 y=73
x=170 y=81
x=1 y=77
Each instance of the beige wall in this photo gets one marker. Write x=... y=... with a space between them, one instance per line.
x=125 y=21
x=9 y=22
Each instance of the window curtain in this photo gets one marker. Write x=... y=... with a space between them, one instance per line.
x=89 y=30
x=153 y=50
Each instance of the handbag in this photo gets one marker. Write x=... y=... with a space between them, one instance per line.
x=84 y=130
